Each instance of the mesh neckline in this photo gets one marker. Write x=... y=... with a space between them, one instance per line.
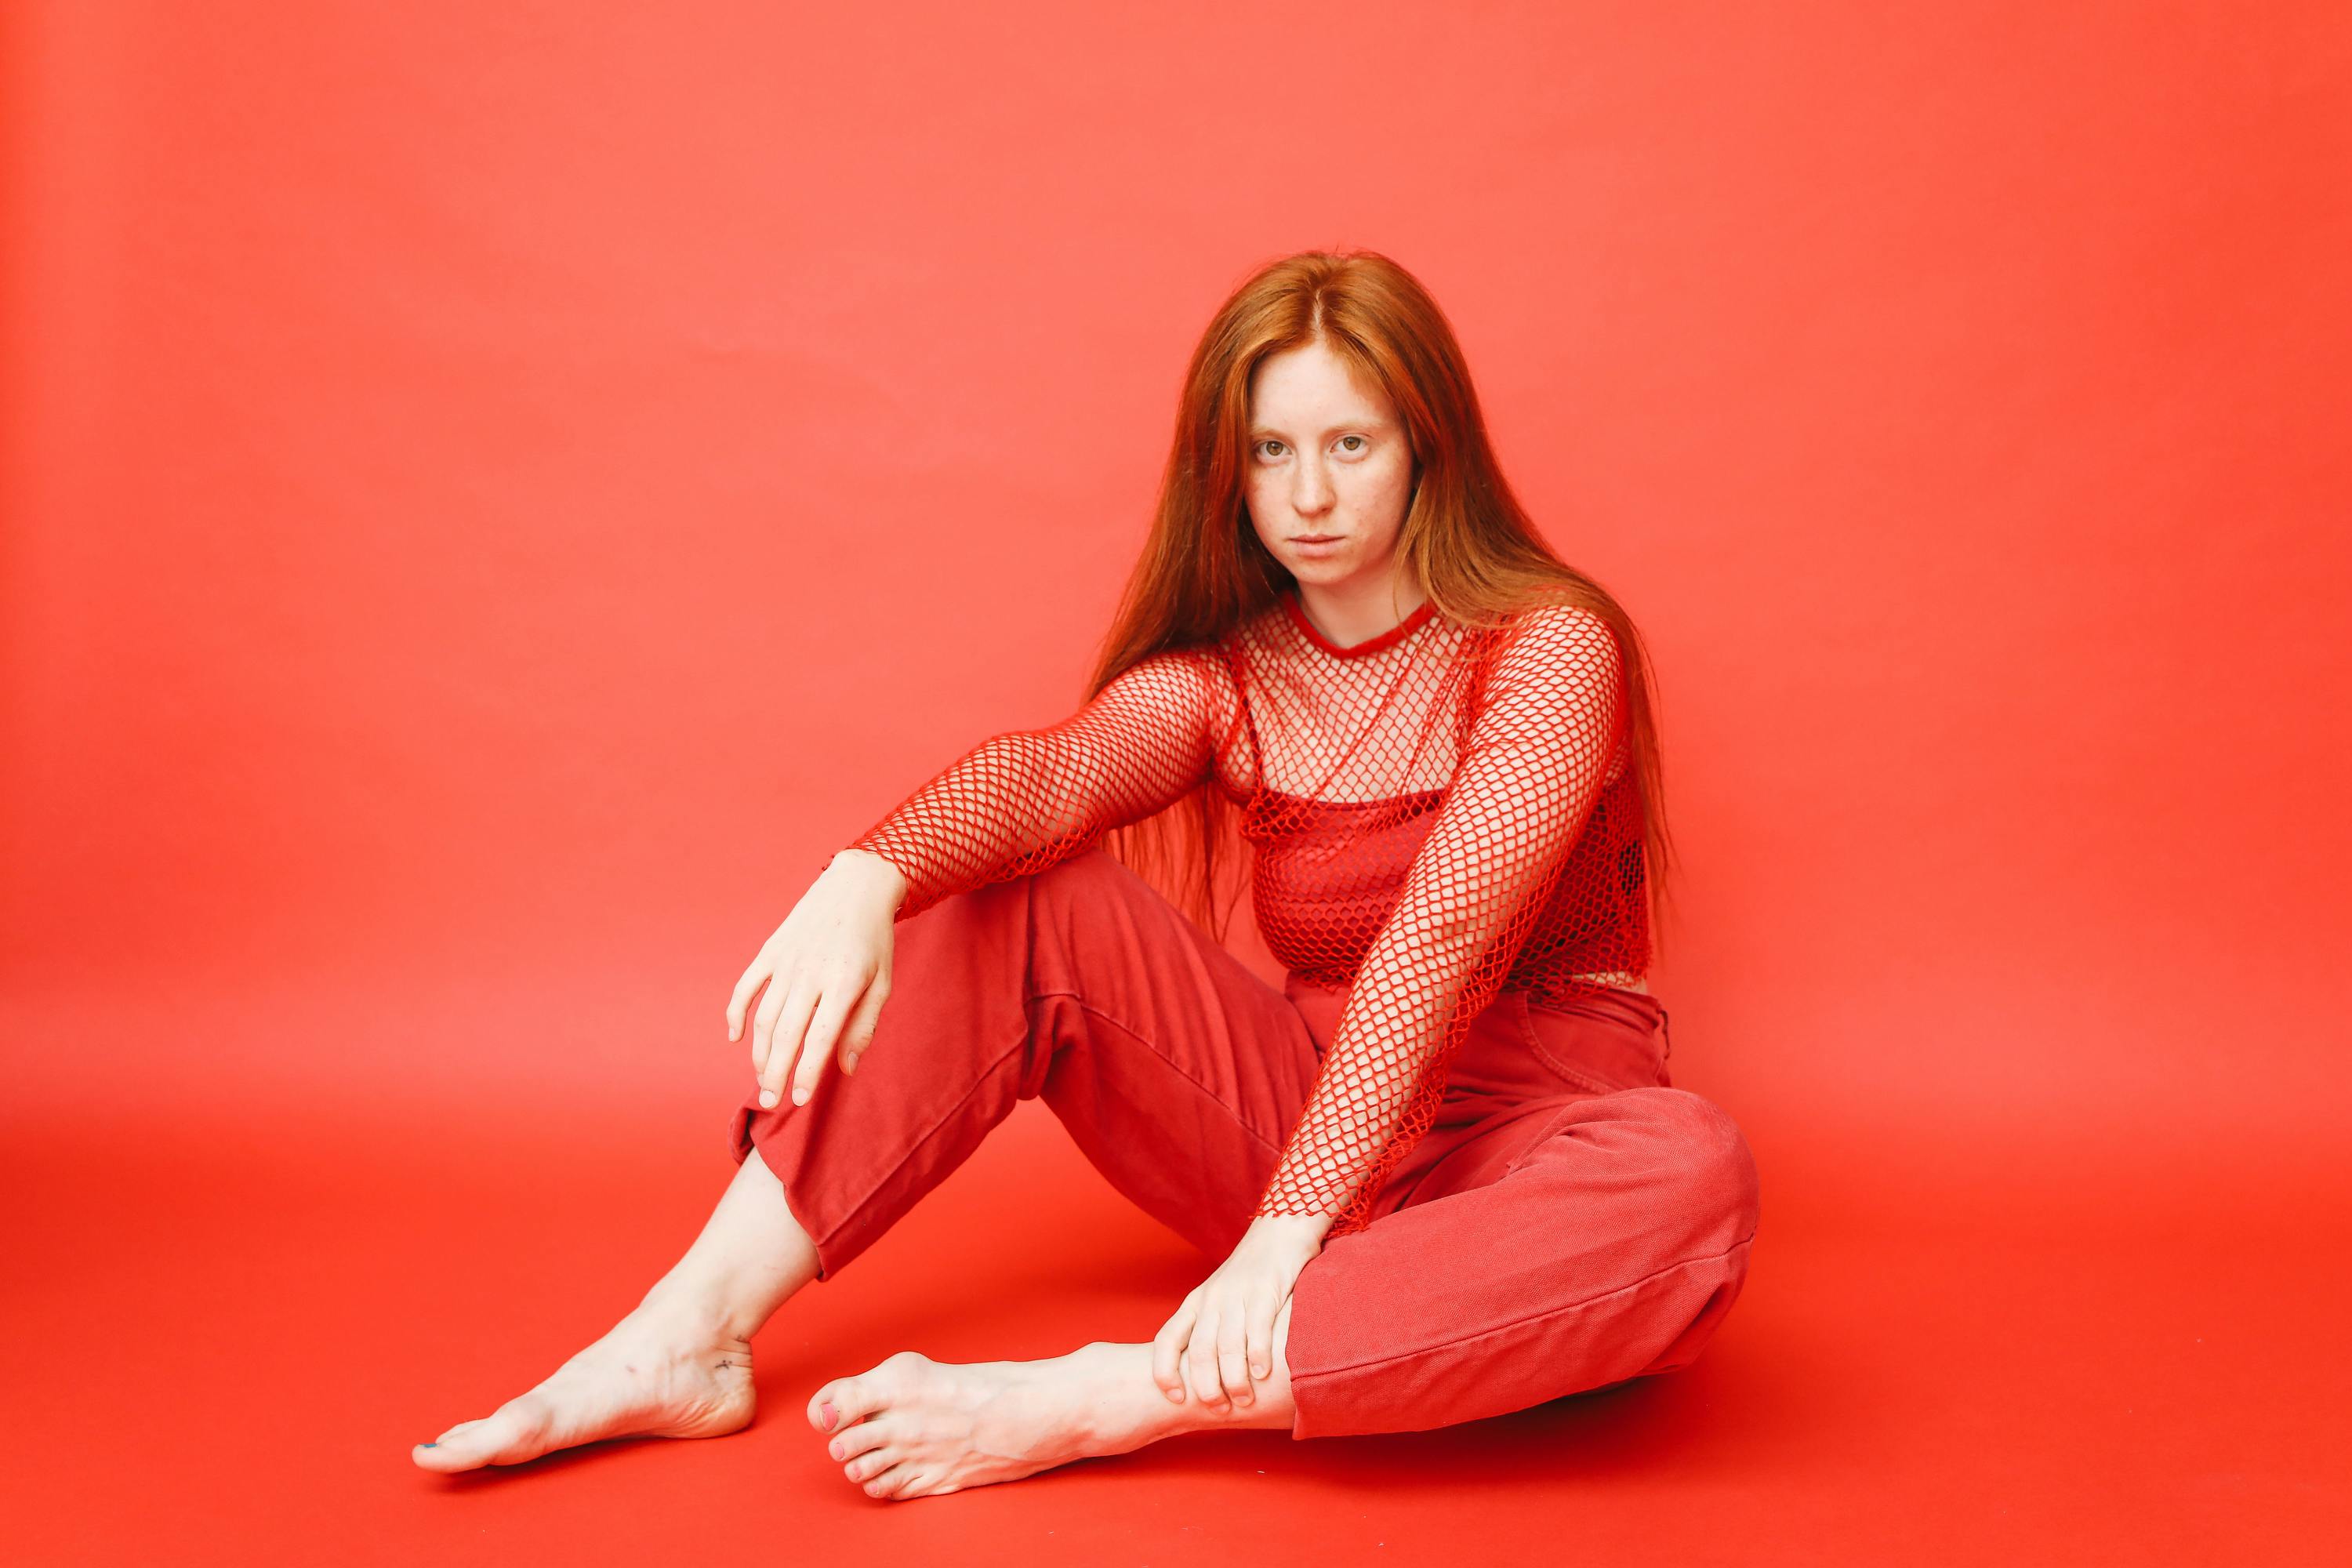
x=1388 y=639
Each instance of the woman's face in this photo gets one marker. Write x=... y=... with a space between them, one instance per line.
x=1328 y=473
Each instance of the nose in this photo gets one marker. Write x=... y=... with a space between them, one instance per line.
x=1310 y=489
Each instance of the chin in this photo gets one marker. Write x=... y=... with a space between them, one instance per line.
x=1322 y=572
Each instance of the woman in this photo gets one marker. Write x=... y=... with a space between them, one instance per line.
x=1444 y=1164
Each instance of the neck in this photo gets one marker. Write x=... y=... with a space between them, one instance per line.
x=1353 y=612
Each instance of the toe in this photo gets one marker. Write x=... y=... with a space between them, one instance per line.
x=431 y=1455
x=513 y=1433
x=458 y=1449
x=888 y=1483
x=846 y=1400
x=862 y=1438
x=871 y=1464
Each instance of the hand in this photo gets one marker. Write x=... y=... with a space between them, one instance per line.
x=1221 y=1341
x=827 y=970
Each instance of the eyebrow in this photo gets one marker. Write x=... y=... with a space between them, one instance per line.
x=1367 y=423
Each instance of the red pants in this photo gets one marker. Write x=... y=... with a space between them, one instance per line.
x=1569 y=1222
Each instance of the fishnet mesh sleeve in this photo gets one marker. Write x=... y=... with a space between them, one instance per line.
x=1541 y=744
x=1021 y=802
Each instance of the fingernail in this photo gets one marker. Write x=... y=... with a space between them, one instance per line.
x=1175 y=1394
x=1259 y=1370
x=766 y=1099
x=799 y=1097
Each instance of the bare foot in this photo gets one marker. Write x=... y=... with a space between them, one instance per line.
x=660 y=1373
x=912 y=1426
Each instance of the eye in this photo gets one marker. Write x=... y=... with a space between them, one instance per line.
x=1262 y=446
x=1359 y=439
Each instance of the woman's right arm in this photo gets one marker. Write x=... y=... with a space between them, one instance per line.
x=1014 y=804
x=1019 y=802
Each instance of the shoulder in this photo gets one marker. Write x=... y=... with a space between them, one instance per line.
x=1558 y=642
x=1175 y=671
x=1195 y=683
x=1555 y=682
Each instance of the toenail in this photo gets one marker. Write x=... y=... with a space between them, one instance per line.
x=831 y=1414
x=434 y=1443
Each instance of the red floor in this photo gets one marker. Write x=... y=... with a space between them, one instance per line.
x=226 y=1338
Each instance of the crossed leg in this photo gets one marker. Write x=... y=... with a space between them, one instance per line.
x=1555 y=1247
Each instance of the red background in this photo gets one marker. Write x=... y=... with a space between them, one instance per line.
x=494 y=494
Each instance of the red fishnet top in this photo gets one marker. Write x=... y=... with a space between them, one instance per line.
x=1434 y=814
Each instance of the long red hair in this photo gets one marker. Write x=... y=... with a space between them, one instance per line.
x=1466 y=538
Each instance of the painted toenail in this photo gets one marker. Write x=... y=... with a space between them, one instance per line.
x=434 y=1443
x=831 y=1414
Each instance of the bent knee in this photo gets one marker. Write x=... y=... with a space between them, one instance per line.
x=1713 y=1166
x=1093 y=867
x=1082 y=880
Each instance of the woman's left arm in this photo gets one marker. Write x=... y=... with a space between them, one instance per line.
x=1552 y=717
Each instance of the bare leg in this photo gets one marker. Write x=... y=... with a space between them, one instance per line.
x=911 y=1427
x=677 y=1366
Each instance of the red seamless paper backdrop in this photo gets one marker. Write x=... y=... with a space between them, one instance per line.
x=494 y=494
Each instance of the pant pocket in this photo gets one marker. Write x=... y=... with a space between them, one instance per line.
x=1609 y=1045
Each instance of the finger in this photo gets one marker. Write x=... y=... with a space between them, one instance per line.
x=824 y=1030
x=792 y=1019
x=1201 y=1377
x=1166 y=1346
x=863 y=1023
x=785 y=1027
x=742 y=996
x=1232 y=1366
x=738 y=1024
x=1200 y=1360
x=763 y=1027
x=1260 y=1343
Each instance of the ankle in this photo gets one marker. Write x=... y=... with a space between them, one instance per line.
x=707 y=1310
x=1127 y=1408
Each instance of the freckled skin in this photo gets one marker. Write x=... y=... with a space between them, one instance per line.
x=1329 y=454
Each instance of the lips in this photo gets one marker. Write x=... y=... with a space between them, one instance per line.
x=1314 y=539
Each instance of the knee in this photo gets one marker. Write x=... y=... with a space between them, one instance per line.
x=1714 y=1170
x=1081 y=875
x=1077 y=881
x=1089 y=885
